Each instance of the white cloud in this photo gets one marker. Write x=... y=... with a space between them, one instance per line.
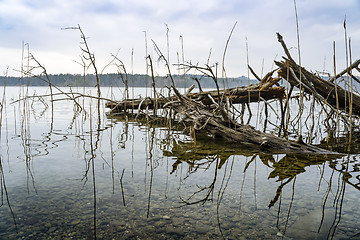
x=111 y=25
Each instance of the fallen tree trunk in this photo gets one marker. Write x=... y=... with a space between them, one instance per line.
x=238 y=95
x=325 y=91
x=197 y=116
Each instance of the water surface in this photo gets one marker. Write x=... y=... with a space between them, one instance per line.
x=77 y=174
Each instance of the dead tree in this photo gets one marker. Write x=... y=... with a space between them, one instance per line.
x=325 y=91
x=252 y=93
x=218 y=123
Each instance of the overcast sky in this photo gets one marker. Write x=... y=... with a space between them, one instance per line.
x=111 y=25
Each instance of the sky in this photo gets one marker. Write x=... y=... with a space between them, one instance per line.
x=196 y=31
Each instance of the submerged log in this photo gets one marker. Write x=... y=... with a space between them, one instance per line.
x=218 y=124
x=252 y=93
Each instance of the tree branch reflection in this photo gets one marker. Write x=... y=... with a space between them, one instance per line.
x=283 y=170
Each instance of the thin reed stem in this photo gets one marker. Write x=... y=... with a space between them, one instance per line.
x=301 y=105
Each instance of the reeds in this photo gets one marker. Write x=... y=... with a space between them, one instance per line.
x=3 y=189
x=288 y=120
x=288 y=123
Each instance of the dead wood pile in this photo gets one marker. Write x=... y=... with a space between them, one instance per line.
x=211 y=111
x=220 y=124
x=265 y=90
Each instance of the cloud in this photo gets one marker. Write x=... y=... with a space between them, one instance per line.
x=111 y=25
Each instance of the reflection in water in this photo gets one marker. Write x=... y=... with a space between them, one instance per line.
x=151 y=164
x=119 y=179
x=284 y=171
x=3 y=189
x=287 y=168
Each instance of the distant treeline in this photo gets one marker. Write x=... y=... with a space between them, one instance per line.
x=136 y=80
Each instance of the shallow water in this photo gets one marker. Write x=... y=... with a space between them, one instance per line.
x=63 y=179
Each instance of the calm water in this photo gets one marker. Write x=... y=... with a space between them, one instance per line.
x=72 y=175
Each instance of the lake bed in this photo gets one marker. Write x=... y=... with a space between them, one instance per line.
x=78 y=174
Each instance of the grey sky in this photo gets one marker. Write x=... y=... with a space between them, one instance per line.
x=204 y=25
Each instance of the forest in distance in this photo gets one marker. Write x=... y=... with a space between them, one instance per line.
x=116 y=80
x=133 y=80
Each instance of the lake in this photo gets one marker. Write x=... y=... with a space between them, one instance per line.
x=75 y=173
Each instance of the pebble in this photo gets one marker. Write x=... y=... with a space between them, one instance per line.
x=202 y=230
x=175 y=231
x=52 y=229
x=75 y=222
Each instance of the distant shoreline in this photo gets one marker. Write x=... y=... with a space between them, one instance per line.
x=136 y=80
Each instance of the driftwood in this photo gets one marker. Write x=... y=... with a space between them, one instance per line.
x=219 y=124
x=325 y=91
x=252 y=93
x=354 y=65
x=211 y=111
